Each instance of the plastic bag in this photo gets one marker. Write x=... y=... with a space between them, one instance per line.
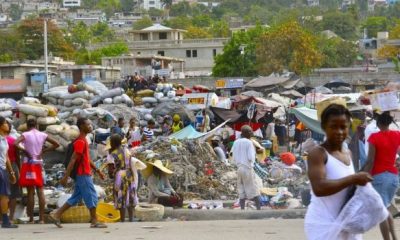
x=364 y=211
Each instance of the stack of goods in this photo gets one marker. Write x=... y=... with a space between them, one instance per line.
x=69 y=98
x=44 y=115
x=84 y=96
x=163 y=93
x=63 y=134
x=197 y=172
x=5 y=108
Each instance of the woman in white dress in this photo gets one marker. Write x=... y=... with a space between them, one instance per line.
x=331 y=173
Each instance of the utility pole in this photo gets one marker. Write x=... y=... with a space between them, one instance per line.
x=46 y=64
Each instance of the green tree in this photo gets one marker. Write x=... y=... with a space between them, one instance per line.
x=287 y=46
x=126 y=5
x=80 y=35
x=94 y=57
x=142 y=23
x=196 y=33
x=180 y=9
x=30 y=31
x=337 y=52
x=239 y=55
x=154 y=12
x=101 y=32
x=15 y=11
x=89 y=4
x=181 y=22
x=343 y=24
x=220 y=29
x=11 y=46
x=375 y=25
x=202 y=20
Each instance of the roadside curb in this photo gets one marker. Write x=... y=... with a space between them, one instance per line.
x=230 y=214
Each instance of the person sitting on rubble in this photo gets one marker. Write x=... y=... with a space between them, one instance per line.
x=148 y=132
x=215 y=143
x=133 y=134
x=167 y=125
x=160 y=189
x=177 y=125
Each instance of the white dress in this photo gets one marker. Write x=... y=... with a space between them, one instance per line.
x=323 y=211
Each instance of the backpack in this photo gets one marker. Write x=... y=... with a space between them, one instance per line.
x=67 y=159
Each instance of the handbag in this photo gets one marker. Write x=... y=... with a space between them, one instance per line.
x=31 y=175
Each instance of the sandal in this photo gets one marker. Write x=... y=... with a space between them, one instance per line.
x=55 y=221
x=98 y=225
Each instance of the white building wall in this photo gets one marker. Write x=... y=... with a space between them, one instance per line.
x=147 y=4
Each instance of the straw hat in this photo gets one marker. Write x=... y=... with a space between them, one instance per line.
x=108 y=143
x=158 y=164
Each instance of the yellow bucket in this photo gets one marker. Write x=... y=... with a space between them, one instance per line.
x=107 y=213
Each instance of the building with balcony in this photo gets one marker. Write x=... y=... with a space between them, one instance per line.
x=146 y=65
x=197 y=54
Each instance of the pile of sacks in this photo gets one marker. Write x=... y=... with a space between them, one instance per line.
x=5 y=108
x=164 y=92
x=197 y=172
x=44 y=115
x=63 y=134
x=84 y=96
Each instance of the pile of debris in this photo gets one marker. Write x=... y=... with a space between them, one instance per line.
x=197 y=172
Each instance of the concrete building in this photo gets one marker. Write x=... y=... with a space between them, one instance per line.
x=198 y=54
x=146 y=65
x=372 y=4
x=371 y=46
x=313 y=3
x=149 y=4
x=89 y=17
x=124 y=20
x=70 y=74
x=17 y=78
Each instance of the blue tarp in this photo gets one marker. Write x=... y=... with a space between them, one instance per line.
x=309 y=118
x=190 y=133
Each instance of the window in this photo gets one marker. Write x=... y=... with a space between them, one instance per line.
x=68 y=75
x=162 y=35
x=7 y=73
x=152 y=2
x=161 y=53
x=144 y=36
x=214 y=52
x=191 y=53
x=87 y=74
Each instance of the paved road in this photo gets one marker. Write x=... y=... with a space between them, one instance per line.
x=272 y=229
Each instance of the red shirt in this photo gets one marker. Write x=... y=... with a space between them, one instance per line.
x=12 y=151
x=81 y=147
x=386 y=144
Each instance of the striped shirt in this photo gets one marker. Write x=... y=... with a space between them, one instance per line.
x=148 y=133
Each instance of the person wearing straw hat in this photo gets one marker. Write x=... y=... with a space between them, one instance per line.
x=160 y=189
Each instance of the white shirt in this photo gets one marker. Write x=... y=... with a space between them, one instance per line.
x=244 y=153
x=369 y=130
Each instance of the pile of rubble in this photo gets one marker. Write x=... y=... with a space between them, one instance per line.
x=197 y=172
